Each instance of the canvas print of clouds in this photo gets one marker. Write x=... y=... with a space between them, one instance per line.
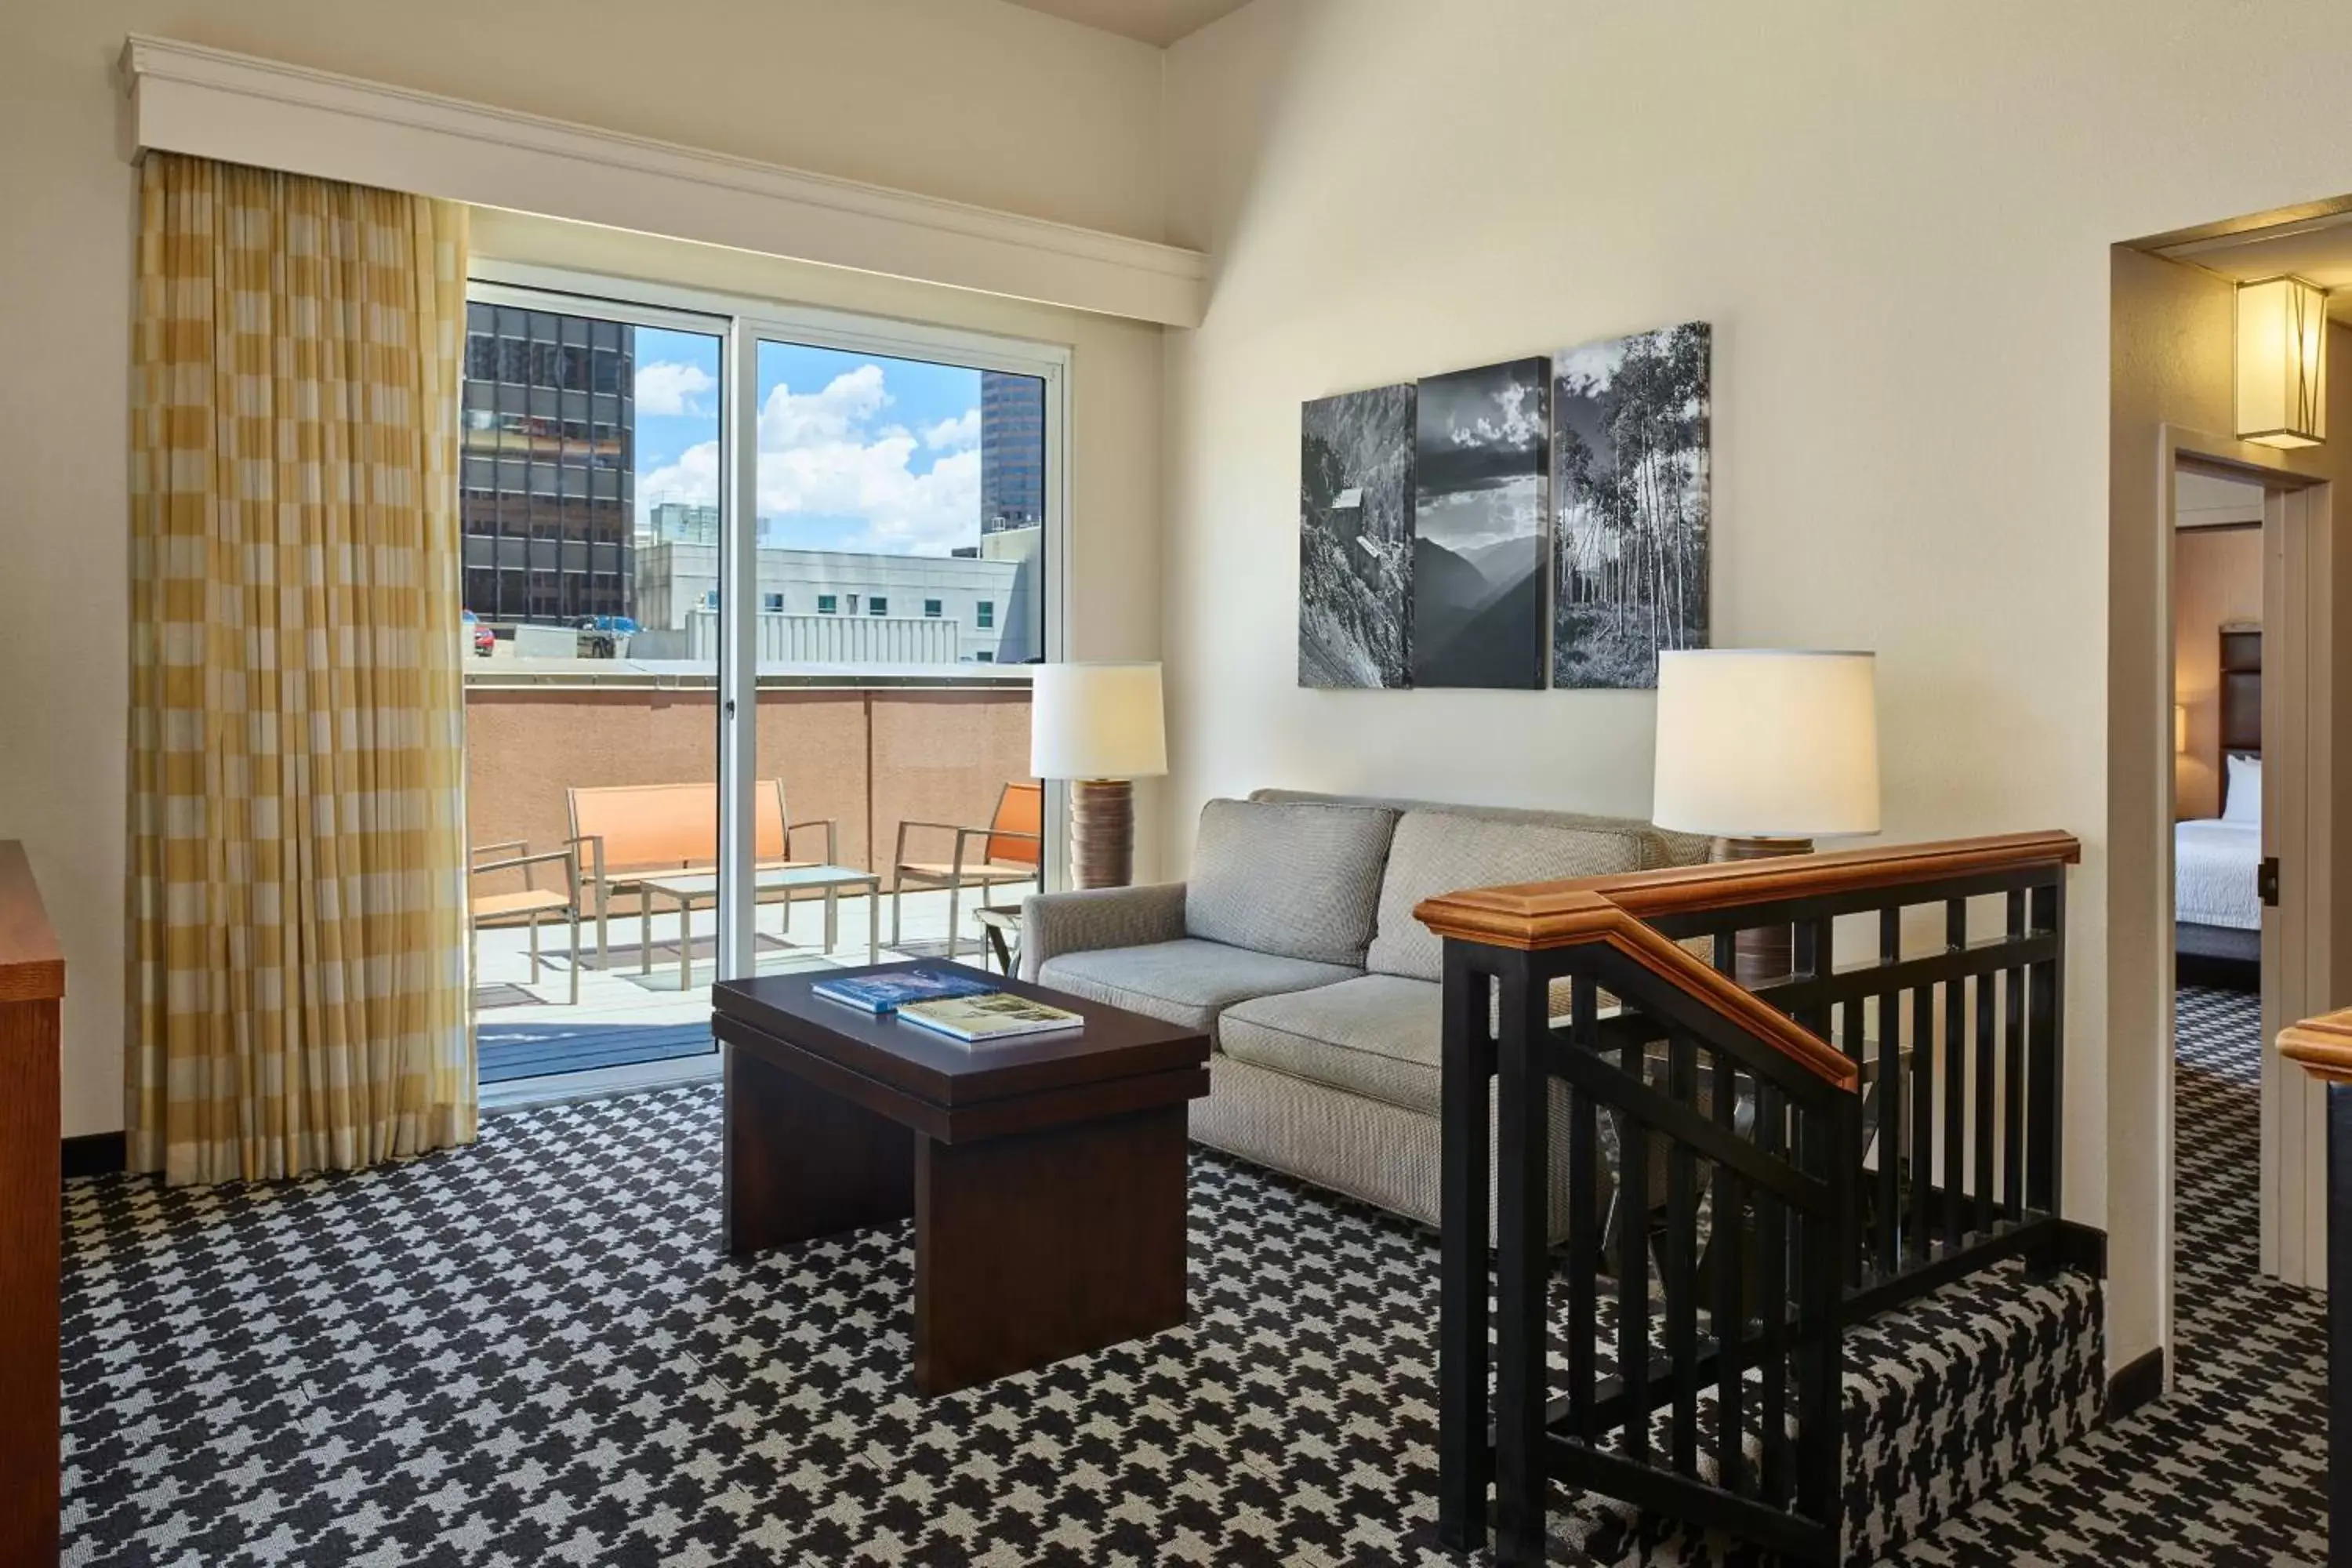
x=1479 y=524
x=1355 y=538
x=1629 y=477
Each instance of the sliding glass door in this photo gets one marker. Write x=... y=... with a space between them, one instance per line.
x=753 y=595
x=594 y=561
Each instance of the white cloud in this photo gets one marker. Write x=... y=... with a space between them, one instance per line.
x=668 y=387
x=1518 y=423
x=822 y=454
x=962 y=431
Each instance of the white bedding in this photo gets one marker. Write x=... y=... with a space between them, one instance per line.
x=2213 y=863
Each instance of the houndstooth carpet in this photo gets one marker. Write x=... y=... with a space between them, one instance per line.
x=531 y=1351
x=2231 y=1468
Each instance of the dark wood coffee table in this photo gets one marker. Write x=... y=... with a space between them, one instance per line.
x=1045 y=1175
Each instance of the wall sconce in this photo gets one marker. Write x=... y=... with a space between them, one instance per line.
x=2180 y=728
x=2282 y=362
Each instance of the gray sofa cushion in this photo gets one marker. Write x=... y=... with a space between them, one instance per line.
x=1438 y=852
x=1301 y=881
x=1377 y=1036
x=1653 y=846
x=1188 y=982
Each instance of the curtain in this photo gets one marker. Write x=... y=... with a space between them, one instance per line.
x=297 y=943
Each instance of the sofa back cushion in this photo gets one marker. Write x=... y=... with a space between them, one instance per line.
x=1651 y=846
x=1303 y=881
x=1438 y=852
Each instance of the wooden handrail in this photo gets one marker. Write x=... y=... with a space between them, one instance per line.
x=1525 y=914
x=1593 y=918
x=32 y=965
x=1617 y=908
x=2321 y=1045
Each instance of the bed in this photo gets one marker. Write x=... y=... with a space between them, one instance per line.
x=2216 y=861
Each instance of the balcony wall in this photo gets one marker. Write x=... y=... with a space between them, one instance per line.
x=867 y=758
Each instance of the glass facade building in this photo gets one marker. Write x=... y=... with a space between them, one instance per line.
x=1011 y=451
x=548 y=442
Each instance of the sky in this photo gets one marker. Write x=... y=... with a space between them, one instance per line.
x=856 y=451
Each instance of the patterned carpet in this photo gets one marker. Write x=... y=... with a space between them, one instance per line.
x=2231 y=1468
x=531 y=1351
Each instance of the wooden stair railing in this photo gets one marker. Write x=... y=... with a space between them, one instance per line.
x=2323 y=1048
x=1817 y=1164
x=32 y=985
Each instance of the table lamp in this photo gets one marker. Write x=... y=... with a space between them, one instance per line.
x=1767 y=750
x=1098 y=726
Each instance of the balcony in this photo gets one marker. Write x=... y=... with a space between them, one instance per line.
x=865 y=747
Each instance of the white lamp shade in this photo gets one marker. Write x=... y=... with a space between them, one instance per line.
x=1097 y=721
x=1767 y=743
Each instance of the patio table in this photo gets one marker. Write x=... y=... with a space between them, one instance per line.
x=688 y=887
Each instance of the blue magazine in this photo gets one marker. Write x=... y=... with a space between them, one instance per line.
x=884 y=994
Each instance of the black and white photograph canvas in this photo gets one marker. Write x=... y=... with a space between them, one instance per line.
x=1480 y=517
x=1355 y=539
x=1630 y=461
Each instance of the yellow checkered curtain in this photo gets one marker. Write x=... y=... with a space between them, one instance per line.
x=296 y=901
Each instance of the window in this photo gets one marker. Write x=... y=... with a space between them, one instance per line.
x=950 y=437
x=772 y=603
x=709 y=600
x=984 y=656
x=827 y=605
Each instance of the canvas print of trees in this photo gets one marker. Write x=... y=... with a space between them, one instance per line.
x=1479 y=527
x=1355 y=539
x=1630 y=450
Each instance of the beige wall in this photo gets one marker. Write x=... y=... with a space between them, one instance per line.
x=2217 y=581
x=964 y=99
x=1898 y=219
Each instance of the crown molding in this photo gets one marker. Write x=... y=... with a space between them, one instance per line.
x=185 y=98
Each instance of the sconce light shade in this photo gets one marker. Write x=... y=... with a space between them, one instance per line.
x=2282 y=341
x=2181 y=727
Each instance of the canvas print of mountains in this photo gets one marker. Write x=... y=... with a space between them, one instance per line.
x=1630 y=481
x=1480 y=518
x=1355 y=539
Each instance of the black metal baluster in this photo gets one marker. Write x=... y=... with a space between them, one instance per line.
x=1888 y=1218
x=1923 y=1124
x=1727 y=1242
x=2046 y=1038
x=1829 y=1145
x=2012 y=1133
x=1853 y=1018
x=1956 y=1083
x=1634 y=1285
x=1522 y=1261
x=1583 y=1219
x=1464 y=1466
x=1772 y=1244
x=1727 y=951
x=1681 y=1266
x=1987 y=1059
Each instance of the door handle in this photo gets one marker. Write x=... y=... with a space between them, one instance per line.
x=2266 y=882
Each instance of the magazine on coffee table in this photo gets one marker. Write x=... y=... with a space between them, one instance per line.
x=882 y=994
x=998 y=1016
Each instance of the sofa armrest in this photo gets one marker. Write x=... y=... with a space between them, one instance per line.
x=1055 y=923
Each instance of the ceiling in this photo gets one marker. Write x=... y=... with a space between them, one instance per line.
x=2319 y=249
x=1160 y=22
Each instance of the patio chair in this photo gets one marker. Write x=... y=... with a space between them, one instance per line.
x=1009 y=852
x=631 y=831
x=531 y=902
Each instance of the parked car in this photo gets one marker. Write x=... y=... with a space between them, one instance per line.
x=605 y=637
x=485 y=642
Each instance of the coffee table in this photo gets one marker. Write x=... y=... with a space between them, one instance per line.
x=1046 y=1175
x=687 y=888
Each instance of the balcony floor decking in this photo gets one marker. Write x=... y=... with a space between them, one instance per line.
x=630 y=1013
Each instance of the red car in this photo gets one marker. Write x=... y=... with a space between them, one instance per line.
x=484 y=642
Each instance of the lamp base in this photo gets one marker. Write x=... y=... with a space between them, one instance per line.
x=1102 y=833
x=1764 y=953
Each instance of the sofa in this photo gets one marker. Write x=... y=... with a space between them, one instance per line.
x=1293 y=947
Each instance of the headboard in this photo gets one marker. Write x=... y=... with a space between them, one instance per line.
x=2242 y=696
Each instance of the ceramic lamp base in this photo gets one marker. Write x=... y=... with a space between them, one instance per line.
x=1765 y=953
x=1102 y=833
